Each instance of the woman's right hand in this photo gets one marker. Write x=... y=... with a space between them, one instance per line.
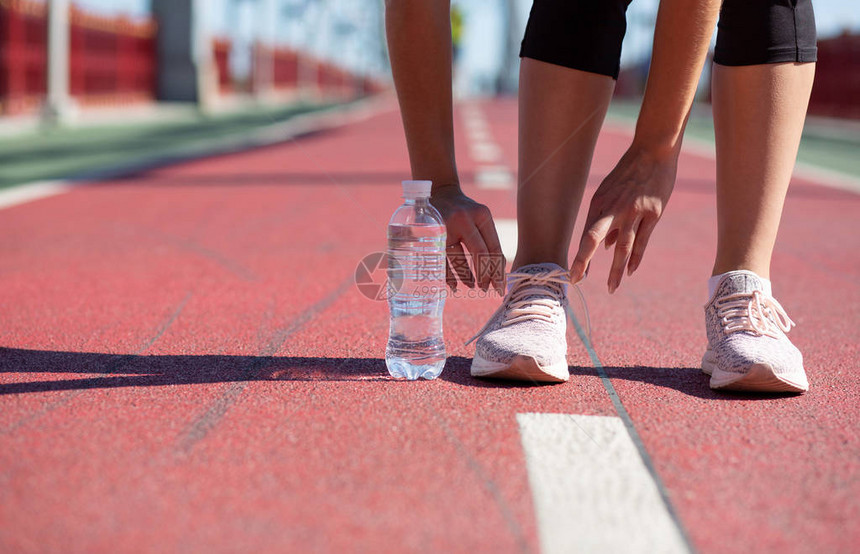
x=470 y=225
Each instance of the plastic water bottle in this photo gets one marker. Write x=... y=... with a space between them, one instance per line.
x=416 y=277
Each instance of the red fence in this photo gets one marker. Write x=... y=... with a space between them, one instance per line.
x=836 y=91
x=285 y=68
x=291 y=70
x=111 y=59
x=23 y=37
x=221 y=53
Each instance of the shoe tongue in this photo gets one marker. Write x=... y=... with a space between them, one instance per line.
x=535 y=269
x=739 y=281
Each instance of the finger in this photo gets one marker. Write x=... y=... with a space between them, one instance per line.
x=478 y=251
x=460 y=264
x=592 y=235
x=623 y=248
x=642 y=236
x=611 y=237
x=450 y=278
x=496 y=259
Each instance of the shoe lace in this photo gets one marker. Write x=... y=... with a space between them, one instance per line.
x=527 y=298
x=754 y=312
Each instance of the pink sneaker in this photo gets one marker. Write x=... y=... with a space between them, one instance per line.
x=747 y=346
x=525 y=339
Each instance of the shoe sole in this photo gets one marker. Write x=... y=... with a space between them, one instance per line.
x=759 y=378
x=520 y=368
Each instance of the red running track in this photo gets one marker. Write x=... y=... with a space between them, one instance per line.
x=185 y=365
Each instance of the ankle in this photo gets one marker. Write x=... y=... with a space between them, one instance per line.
x=520 y=261
x=762 y=271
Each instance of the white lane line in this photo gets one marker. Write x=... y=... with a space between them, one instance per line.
x=275 y=133
x=482 y=148
x=485 y=152
x=471 y=110
x=591 y=490
x=707 y=149
x=496 y=177
x=507 y=231
x=474 y=120
x=827 y=177
x=33 y=191
x=802 y=170
x=479 y=135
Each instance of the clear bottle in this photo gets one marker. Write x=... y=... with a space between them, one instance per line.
x=416 y=293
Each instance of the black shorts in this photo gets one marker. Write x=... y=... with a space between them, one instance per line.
x=587 y=34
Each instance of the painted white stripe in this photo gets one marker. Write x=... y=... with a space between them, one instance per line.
x=507 y=231
x=827 y=177
x=275 y=133
x=479 y=135
x=591 y=490
x=32 y=191
x=494 y=177
x=474 y=121
x=707 y=149
x=470 y=110
x=485 y=152
x=472 y=114
x=818 y=175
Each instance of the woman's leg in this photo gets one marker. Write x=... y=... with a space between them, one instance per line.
x=570 y=60
x=762 y=79
x=758 y=118
x=561 y=112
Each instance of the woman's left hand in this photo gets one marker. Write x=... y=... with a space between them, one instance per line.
x=625 y=209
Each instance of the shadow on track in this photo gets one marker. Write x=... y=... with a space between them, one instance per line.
x=688 y=380
x=100 y=371
x=457 y=370
x=104 y=371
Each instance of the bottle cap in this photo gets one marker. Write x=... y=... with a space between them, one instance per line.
x=417 y=189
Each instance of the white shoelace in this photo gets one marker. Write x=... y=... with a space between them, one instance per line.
x=755 y=312
x=518 y=307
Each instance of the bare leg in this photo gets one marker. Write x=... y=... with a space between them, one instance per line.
x=561 y=111
x=758 y=119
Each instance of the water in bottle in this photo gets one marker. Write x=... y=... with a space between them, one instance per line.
x=416 y=276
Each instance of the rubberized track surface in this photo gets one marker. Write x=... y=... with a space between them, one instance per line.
x=187 y=365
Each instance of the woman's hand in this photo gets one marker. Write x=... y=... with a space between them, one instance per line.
x=625 y=209
x=469 y=225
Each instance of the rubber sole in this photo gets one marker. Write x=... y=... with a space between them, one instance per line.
x=759 y=378
x=521 y=368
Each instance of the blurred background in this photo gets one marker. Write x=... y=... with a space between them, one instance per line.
x=101 y=71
